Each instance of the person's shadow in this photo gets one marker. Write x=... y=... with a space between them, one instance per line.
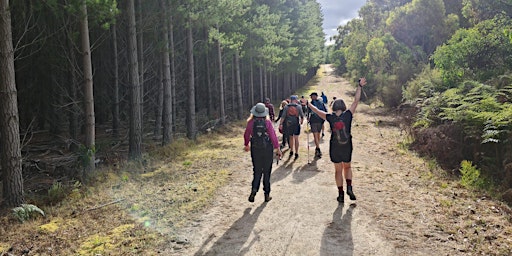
x=232 y=241
x=306 y=171
x=337 y=237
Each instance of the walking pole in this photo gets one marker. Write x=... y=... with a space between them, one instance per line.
x=308 y=129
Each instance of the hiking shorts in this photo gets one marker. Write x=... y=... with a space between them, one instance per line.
x=316 y=127
x=340 y=153
x=293 y=130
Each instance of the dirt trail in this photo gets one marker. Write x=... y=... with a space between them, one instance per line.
x=397 y=212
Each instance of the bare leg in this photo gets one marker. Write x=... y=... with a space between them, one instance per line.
x=338 y=174
x=296 y=142
x=291 y=142
x=347 y=171
x=316 y=137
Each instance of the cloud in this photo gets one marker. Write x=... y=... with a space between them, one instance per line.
x=338 y=12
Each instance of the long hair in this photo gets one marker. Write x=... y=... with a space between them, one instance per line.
x=283 y=104
x=339 y=104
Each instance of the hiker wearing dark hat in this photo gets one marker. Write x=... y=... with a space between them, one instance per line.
x=340 y=145
x=293 y=117
x=263 y=141
x=316 y=122
x=270 y=108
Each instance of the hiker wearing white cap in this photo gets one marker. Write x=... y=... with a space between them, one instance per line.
x=263 y=141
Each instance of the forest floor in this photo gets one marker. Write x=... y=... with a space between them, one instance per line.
x=197 y=204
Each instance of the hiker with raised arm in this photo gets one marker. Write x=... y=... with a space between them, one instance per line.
x=316 y=123
x=340 y=145
x=293 y=117
x=261 y=136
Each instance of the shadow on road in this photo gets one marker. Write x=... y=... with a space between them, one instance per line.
x=337 y=237
x=232 y=241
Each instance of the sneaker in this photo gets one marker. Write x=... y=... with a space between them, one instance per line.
x=340 y=198
x=350 y=193
x=267 y=197
x=251 y=197
x=296 y=156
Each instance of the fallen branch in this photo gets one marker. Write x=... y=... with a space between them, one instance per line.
x=103 y=205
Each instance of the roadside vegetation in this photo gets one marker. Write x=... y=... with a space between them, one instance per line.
x=130 y=208
x=445 y=67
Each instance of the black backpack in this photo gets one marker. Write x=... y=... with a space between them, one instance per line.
x=339 y=130
x=260 y=138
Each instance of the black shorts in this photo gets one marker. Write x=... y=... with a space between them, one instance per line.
x=316 y=127
x=340 y=153
x=293 y=130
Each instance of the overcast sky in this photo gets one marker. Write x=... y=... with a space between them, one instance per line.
x=338 y=12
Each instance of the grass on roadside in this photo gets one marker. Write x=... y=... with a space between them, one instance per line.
x=154 y=197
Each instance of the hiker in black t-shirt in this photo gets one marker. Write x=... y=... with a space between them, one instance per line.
x=340 y=145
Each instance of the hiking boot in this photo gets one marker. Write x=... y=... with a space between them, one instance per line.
x=318 y=153
x=296 y=156
x=251 y=197
x=267 y=197
x=340 y=198
x=350 y=193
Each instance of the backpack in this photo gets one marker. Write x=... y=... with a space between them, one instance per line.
x=339 y=131
x=318 y=104
x=260 y=138
x=292 y=116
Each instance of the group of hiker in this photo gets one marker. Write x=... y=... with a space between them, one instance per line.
x=261 y=140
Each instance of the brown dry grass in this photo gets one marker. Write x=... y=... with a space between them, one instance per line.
x=168 y=188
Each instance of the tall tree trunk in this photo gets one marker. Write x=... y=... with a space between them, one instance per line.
x=233 y=90
x=210 y=107
x=88 y=90
x=173 y=71
x=157 y=131
x=191 y=117
x=221 y=85
x=166 y=81
x=135 y=136
x=140 y=55
x=115 y=86
x=251 y=81
x=240 y=108
x=10 y=152
x=265 y=84
x=271 y=86
x=262 y=88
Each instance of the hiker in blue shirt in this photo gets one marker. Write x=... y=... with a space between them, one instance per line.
x=316 y=123
x=340 y=145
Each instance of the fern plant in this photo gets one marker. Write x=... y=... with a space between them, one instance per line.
x=26 y=211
